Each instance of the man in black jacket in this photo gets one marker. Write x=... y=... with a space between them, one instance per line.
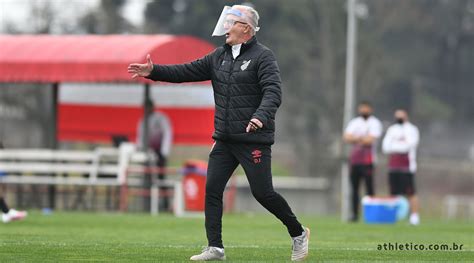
x=246 y=82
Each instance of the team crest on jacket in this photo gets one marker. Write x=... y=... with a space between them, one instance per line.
x=257 y=154
x=245 y=65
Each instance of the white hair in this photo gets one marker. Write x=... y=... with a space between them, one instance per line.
x=251 y=15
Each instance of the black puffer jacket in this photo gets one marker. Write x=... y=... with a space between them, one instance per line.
x=245 y=88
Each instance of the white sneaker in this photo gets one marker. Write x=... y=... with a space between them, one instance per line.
x=414 y=219
x=210 y=253
x=300 y=246
x=13 y=215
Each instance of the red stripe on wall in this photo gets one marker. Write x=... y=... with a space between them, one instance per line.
x=88 y=123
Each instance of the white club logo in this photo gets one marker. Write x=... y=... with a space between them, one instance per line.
x=245 y=65
x=191 y=188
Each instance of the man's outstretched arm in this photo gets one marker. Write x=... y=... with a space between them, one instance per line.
x=198 y=70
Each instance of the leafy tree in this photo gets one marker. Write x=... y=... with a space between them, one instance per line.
x=107 y=19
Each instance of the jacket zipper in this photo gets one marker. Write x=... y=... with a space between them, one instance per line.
x=228 y=96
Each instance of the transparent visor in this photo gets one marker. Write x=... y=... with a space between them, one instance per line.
x=228 y=18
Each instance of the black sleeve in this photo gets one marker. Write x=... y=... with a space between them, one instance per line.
x=270 y=83
x=198 y=70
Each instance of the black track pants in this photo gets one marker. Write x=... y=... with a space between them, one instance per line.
x=256 y=161
x=358 y=173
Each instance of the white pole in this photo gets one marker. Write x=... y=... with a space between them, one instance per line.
x=155 y=199
x=348 y=102
x=178 y=199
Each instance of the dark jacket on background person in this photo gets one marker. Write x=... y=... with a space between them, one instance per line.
x=245 y=88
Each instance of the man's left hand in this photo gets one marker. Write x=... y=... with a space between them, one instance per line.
x=254 y=124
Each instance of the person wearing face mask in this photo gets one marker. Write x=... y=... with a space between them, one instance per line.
x=247 y=92
x=362 y=133
x=400 y=144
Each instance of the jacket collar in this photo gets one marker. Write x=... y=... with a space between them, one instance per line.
x=245 y=45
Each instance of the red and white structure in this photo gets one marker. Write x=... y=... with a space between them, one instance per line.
x=95 y=112
x=95 y=98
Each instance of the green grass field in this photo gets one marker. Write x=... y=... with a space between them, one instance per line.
x=68 y=236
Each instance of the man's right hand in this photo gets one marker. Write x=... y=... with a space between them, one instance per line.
x=141 y=70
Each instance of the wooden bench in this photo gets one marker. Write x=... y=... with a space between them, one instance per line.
x=100 y=167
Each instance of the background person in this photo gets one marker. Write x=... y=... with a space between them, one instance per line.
x=9 y=214
x=362 y=133
x=400 y=144
x=160 y=140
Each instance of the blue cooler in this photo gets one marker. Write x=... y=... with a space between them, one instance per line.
x=380 y=210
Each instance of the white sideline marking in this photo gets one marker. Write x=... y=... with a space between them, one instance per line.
x=62 y=244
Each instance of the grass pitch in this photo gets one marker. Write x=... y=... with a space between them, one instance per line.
x=92 y=237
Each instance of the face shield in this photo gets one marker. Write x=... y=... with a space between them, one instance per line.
x=229 y=17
